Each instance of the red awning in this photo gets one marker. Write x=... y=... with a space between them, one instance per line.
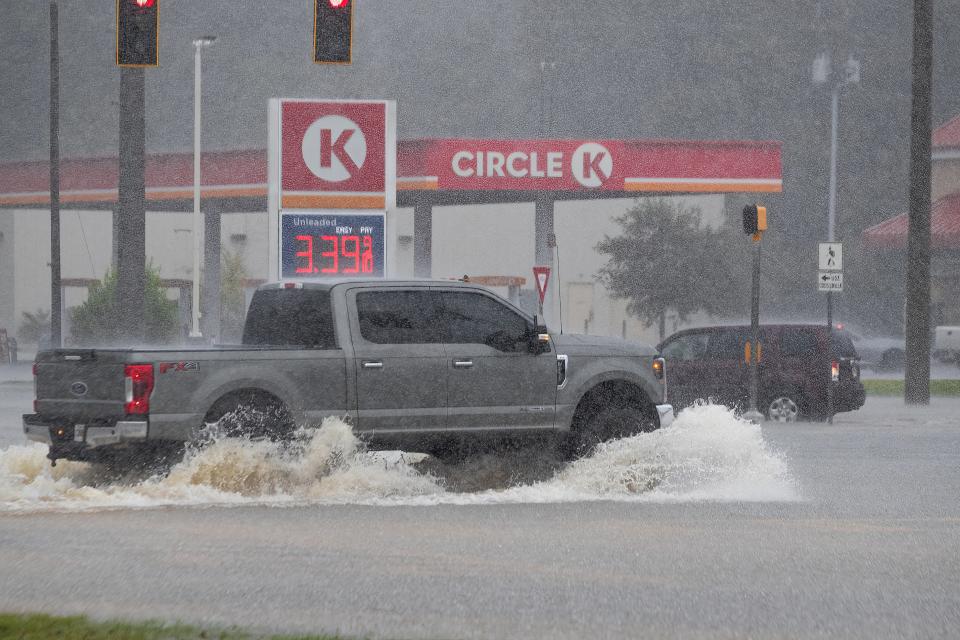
x=944 y=227
x=947 y=135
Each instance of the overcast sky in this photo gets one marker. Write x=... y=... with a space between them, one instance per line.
x=614 y=69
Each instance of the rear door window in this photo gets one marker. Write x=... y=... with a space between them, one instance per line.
x=726 y=345
x=399 y=317
x=689 y=346
x=796 y=342
x=290 y=318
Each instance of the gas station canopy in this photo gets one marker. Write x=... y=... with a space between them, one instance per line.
x=438 y=171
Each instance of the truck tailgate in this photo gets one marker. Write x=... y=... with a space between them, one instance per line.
x=80 y=384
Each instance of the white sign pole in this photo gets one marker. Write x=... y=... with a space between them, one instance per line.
x=273 y=190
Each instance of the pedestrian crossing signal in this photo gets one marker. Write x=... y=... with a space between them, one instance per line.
x=333 y=31
x=138 y=26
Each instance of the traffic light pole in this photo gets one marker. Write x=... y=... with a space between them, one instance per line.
x=754 y=415
x=131 y=209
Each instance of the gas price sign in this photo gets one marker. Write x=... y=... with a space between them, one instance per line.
x=332 y=245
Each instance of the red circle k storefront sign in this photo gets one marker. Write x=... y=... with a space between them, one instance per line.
x=334 y=154
x=559 y=165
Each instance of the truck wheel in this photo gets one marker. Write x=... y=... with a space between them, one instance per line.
x=607 y=423
x=251 y=418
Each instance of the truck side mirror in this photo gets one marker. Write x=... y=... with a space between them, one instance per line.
x=539 y=338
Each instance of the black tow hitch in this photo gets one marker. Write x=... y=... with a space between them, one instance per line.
x=61 y=443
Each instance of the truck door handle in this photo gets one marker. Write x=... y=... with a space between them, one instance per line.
x=372 y=364
x=463 y=364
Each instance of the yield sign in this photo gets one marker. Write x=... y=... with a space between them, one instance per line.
x=541 y=275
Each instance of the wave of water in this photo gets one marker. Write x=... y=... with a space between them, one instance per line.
x=707 y=454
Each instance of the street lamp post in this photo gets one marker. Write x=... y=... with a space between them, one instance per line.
x=198 y=45
x=823 y=73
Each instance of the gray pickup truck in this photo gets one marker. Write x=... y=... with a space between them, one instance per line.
x=416 y=365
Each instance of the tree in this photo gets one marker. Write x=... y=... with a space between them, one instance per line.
x=34 y=326
x=233 y=275
x=95 y=322
x=665 y=260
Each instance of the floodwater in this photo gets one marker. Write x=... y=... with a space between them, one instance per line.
x=708 y=454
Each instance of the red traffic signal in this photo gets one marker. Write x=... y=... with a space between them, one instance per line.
x=332 y=31
x=138 y=25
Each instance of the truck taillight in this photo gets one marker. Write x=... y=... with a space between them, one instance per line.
x=834 y=370
x=36 y=388
x=138 y=384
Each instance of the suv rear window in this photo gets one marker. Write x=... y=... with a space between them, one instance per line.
x=843 y=345
x=290 y=318
x=689 y=346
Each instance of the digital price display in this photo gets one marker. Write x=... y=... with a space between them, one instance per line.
x=332 y=245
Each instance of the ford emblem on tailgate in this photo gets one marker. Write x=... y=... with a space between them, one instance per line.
x=78 y=388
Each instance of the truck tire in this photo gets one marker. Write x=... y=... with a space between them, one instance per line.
x=253 y=416
x=610 y=422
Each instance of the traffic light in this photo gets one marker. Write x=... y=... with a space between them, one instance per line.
x=138 y=24
x=332 y=31
x=754 y=220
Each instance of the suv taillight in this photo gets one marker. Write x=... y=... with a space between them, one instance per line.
x=834 y=370
x=138 y=384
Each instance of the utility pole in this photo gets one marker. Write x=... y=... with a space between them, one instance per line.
x=56 y=295
x=917 y=370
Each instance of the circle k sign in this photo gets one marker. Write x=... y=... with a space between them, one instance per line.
x=336 y=154
x=591 y=164
x=529 y=164
x=334 y=148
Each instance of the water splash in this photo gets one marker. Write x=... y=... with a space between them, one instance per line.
x=707 y=454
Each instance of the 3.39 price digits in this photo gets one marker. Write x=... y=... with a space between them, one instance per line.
x=338 y=254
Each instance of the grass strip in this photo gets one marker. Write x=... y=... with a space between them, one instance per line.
x=949 y=388
x=44 y=627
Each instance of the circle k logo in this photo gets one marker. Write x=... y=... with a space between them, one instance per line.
x=334 y=148
x=591 y=164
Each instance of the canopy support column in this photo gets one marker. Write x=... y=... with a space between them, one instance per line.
x=423 y=239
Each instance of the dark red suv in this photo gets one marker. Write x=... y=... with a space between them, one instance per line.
x=796 y=361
